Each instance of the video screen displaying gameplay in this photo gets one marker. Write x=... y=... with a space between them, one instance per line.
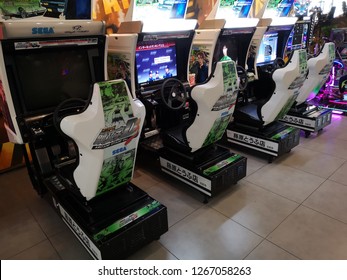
x=268 y=48
x=155 y=62
x=298 y=38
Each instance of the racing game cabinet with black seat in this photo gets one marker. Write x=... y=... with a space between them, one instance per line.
x=302 y=114
x=120 y=217
x=256 y=123
x=183 y=121
x=189 y=151
x=82 y=133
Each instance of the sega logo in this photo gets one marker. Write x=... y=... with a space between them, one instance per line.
x=43 y=30
x=119 y=150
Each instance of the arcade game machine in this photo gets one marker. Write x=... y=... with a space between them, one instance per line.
x=256 y=122
x=82 y=132
x=185 y=120
x=235 y=37
x=302 y=114
x=332 y=95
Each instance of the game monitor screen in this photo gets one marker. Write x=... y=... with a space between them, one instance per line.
x=42 y=74
x=298 y=37
x=233 y=44
x=155 y=62
x=46 y=79
x=268 y=48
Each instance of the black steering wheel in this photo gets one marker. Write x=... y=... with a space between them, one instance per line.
x=173 y=93
x=278 y=63
x=243 y=77
x=68 y=107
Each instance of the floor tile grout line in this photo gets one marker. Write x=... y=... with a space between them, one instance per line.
x=47 y=237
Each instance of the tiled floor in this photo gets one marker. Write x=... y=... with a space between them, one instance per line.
x=293 y=208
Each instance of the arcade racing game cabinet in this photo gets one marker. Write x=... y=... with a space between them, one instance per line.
x=183 y=122
x=256 y=122
x=310 y=118
x=82 y=132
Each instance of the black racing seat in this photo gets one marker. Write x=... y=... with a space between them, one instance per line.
x=212 y=105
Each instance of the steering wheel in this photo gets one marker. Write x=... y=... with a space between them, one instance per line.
x=173 y=93
x=243 y=77
x=278 y=63
x=68 y=107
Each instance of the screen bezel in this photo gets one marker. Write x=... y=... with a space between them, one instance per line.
x=237 y=38
x=273 y=55
x=302 y=44
x=96 y=60
x=283 y=35
x=183 y=41
x=153 y=46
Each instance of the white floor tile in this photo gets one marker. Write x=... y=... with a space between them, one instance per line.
x=308 y=234
x=207 y=234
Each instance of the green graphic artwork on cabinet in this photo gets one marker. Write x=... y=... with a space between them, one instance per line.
x=121 y=127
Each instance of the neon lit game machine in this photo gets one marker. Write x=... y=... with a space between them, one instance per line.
x=335 y=88
x=308 y=117
x=81 y=131
x=256 y=122
x=162 y=83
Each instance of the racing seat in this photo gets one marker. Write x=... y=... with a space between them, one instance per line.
x=318 y=71
x=106 y=135
x=212 y=104
x=275 y=92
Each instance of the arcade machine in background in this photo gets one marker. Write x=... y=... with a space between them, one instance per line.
x=184 y=120
x=310 y=118
x=256 y=122
x=64 y=9
x=82 y=133
x=236 y=36
x=333 y=96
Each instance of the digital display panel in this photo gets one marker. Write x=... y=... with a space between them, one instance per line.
x=155 y=62
x=268 y=48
